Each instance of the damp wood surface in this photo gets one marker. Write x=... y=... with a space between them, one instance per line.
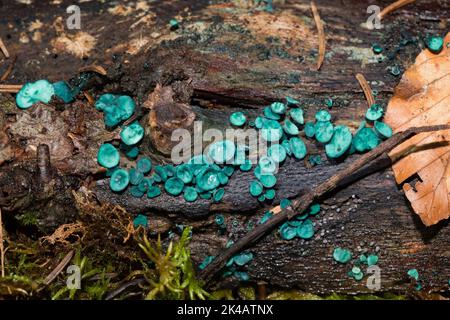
x=224 y=58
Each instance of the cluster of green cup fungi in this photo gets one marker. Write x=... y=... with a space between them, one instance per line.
x=200 y=177
x=43 y=91
x=281 y=125
x=233 y=265
x=344 y=256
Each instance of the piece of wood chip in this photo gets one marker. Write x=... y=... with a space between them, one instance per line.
x=394 y=6
x=320 y=30
x=366 y=88
x=3 y=48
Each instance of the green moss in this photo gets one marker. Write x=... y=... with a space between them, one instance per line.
x=173 y=276
x=28 y=218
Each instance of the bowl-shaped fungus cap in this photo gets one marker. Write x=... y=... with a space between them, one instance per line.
x=324 y=131
x=365 y=139
x=153 y=192
x=271 y=131
x=269 y=114
x=310 y=129
x=256 y=188
x=278 y=107
x=30 y=93
x=342 y=255
x=108 y=156
x=323 y=115
x=208 y=179
x=190 y=194
x=185 y=173
x=297 y=115
x=298 y=147
x=174 y=186
x=132 y=134
x=277 y=153
x=144 y=165
x=306 y=229
x=434 y=43
x=222 y=151
x=63 y=91
x=383 y=130
x=375 y=112
x=119 y=180
x=238 y=119
x=340 y=143
x=290 y=128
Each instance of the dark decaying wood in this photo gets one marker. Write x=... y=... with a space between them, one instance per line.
x=222 y=60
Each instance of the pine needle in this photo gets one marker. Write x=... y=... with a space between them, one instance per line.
x=320 y=30
x=366 y=88
x=394 y=6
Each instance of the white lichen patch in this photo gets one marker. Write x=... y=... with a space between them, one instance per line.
x=364 y=55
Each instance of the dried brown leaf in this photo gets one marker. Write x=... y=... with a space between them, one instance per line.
x=422 y=98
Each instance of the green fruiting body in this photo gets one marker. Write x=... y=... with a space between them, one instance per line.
x=222 y=151
x=132 y=134
x=271 y=131
x=278 y=107
x=383 y=130
x=290 y=128
x=340 y=142
x=434 y=43
x=119 y=180
x=324 y=131
x=33 y=92
x=174 y=186
x=238 y=119
x=298 y=147
x=277 y=153
x=108 y=156
x=375 y=112
x=365 y=139
x=342 y=255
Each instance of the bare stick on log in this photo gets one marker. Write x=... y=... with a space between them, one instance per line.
x=366 y=88
x=301 y=203
x=3 y=48
x=320 y=30
x=10 y=88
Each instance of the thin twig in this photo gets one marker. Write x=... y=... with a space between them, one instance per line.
x=301 y=203
x=2 y=249
x=9 y=70
x=394 y=6
x=59 y=268
x=10 y=88
x=366 y=88
x=3 y=48
x=320 y=30
x=94 y=68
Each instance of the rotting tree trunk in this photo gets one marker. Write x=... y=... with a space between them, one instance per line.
x=226 y=58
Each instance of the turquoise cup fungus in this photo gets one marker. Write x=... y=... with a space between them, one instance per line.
x=132 y=134
x=33 y=92
x=108 y=156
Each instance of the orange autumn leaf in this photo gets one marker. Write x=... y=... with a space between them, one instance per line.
x=423 y=98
